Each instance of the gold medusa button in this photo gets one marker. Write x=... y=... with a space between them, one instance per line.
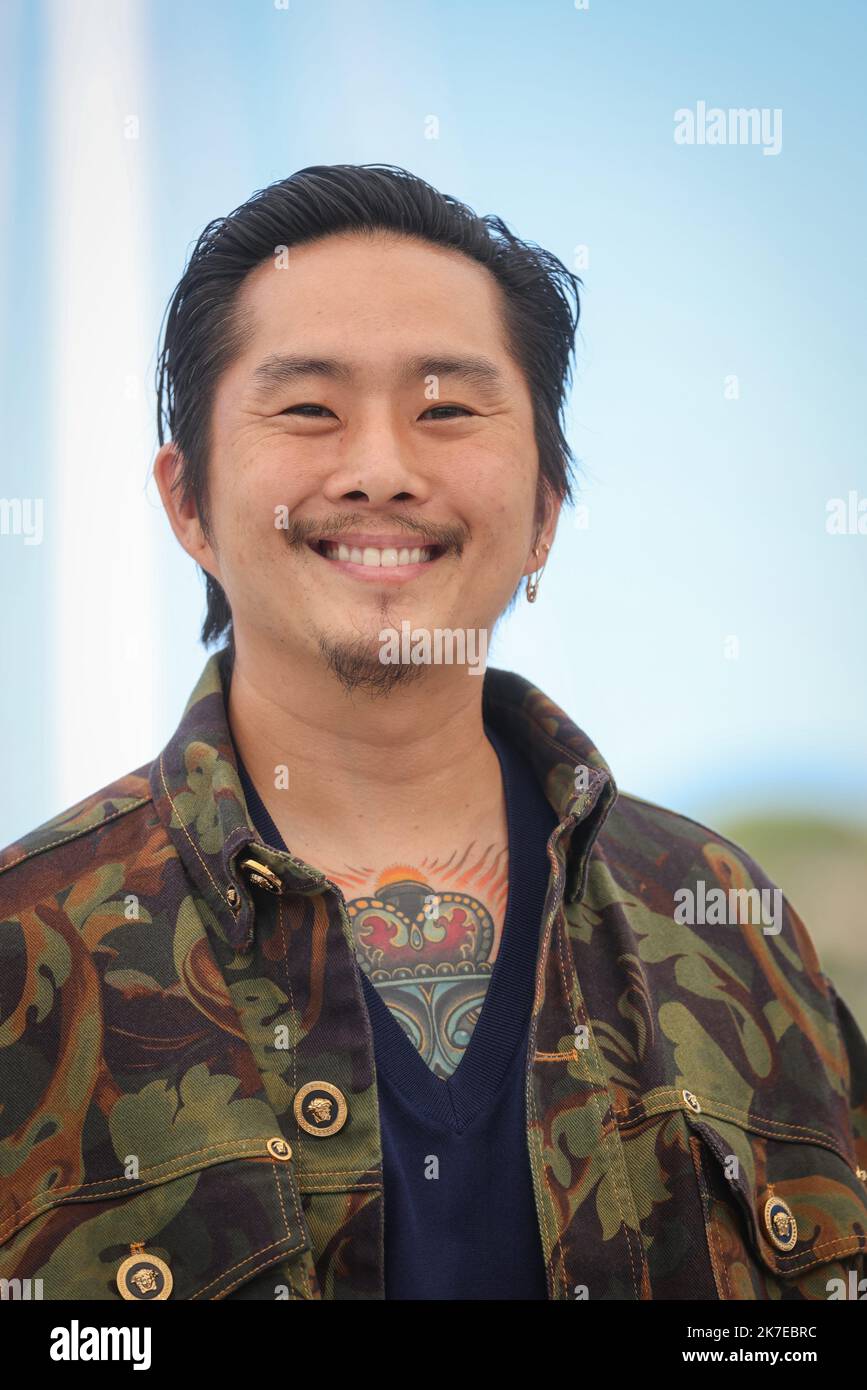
x=692 y=1101
x=780 y=1222
x=320 y=1108
x=278 y=1148
x=143 y=1276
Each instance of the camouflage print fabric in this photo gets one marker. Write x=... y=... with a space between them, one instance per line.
x=696 y=1094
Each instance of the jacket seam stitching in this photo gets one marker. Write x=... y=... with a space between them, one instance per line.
x=543 y=1192
x=284 y=941
x=769 y=1133
x=192 y=843
x=310 y=1189
x=546 y=1186
x=803 y=1261
x=74 y=834
x=336 y=1172
x=37 y=1205
x=608 y=1134
x=568 y=992
x=285 y=1220
x=255 y=1255
x=297 y=1216
x=747 y=1121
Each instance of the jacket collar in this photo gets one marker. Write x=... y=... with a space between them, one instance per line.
x=198 y=796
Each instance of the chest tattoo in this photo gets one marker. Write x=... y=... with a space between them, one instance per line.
x=427 y=935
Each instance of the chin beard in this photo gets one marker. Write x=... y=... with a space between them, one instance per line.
x=358 y=667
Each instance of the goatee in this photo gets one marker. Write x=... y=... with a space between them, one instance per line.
x=358 y=667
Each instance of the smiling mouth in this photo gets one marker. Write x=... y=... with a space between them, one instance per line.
x=376 y=557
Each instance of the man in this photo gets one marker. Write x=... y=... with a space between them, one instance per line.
x=371 y=984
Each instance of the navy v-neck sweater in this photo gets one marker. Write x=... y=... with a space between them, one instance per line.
x=460 y=1216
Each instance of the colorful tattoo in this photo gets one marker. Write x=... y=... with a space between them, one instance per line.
x=427 y=935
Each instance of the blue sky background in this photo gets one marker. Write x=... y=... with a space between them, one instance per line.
x=706 y=515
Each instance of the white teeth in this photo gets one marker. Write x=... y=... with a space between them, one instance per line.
x=388 y=557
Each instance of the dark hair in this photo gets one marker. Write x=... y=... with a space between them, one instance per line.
x=202 y=333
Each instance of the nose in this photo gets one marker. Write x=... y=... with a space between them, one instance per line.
x=375 y=466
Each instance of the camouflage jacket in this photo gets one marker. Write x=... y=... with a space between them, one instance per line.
x=173 y=991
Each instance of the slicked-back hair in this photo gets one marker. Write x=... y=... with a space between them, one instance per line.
x=203 y=333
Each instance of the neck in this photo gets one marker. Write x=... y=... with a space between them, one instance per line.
x=363 y=770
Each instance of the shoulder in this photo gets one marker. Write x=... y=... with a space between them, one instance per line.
x=647 y=825
x=110 y=823
x=697 y=877
x=684 y=862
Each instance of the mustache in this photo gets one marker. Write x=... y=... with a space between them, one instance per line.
x=299 y=532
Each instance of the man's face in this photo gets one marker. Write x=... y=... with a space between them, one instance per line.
x=402 y=486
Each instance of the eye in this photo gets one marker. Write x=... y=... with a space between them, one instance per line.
x=293 y=409
x=463 y=410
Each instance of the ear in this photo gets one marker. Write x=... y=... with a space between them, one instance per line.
x=550 y=521
x=182 y=512
x=546 y=529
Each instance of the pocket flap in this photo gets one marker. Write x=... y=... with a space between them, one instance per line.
x=214 y=1223
x=803 y=1203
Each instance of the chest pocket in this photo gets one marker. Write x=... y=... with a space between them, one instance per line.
x=785 y=1218
x=214 y=1220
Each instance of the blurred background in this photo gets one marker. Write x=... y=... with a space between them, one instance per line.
x=702 y=613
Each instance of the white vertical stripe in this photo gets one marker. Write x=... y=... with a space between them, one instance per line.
x=11 y=28
x=98 y=523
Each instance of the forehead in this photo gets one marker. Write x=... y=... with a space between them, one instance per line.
x=372 y=295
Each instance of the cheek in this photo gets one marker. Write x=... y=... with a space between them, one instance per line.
x=506 y=526
x=499 y=482
x=260 y=486
x=246 y=538
x=266 y=461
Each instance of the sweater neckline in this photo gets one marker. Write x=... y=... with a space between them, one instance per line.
x=458 y=1099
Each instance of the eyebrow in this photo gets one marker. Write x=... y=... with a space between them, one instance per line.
x=279 y=369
